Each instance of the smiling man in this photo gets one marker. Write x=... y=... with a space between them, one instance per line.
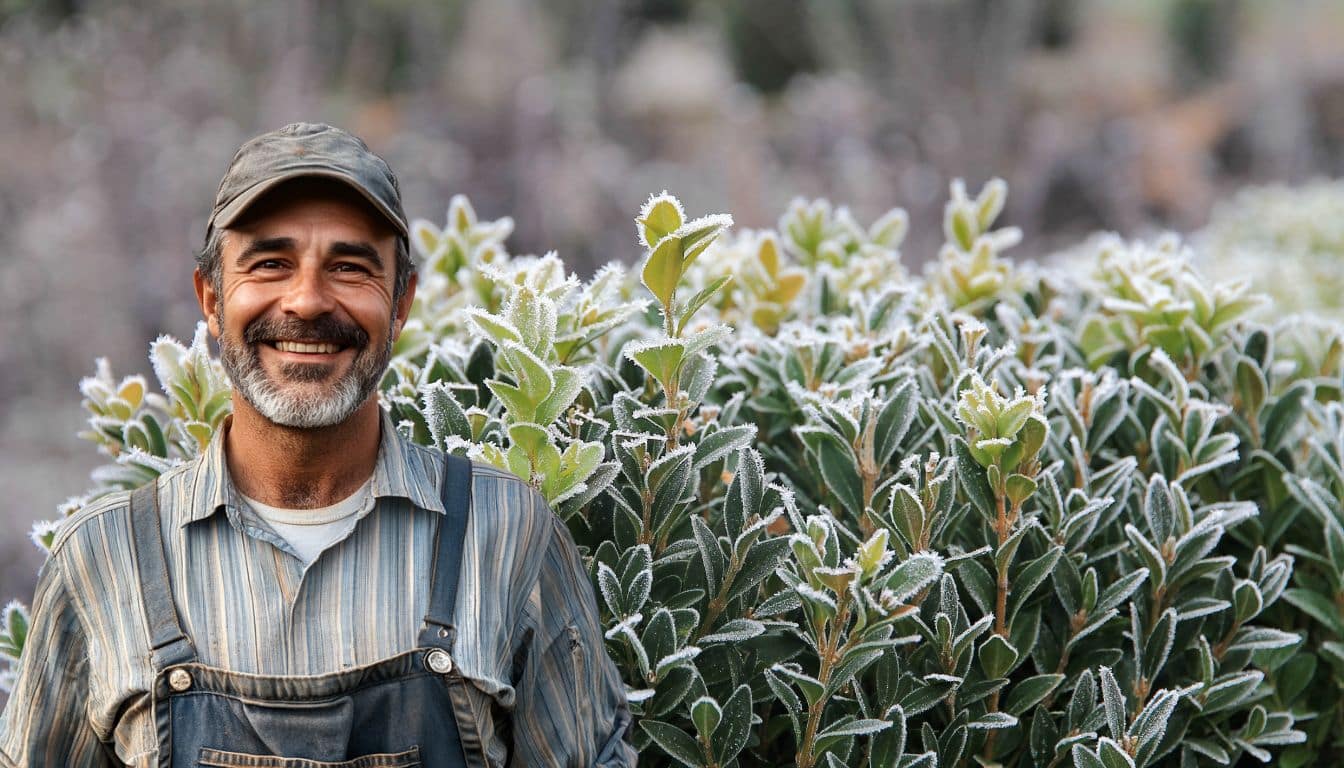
x=314 y=591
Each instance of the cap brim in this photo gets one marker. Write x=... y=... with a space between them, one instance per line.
x=230 y=213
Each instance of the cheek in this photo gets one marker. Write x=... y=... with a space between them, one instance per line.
x=374 y=312
x=240 y=306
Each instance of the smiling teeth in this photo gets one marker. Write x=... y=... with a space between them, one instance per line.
x=309 y=349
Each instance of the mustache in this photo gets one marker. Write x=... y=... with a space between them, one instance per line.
x=322 y=329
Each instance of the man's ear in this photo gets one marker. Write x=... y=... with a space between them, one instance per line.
x=208 y=299
x=404 y=306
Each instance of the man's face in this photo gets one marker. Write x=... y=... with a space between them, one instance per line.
x=304 y=312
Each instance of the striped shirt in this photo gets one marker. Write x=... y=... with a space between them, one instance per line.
x=543 y=690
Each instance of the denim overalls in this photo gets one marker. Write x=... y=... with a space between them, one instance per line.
x=395 y=713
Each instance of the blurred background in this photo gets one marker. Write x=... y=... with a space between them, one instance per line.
x=117 y=121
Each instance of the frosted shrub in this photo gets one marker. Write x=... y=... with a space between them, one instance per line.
x=839 y=516
x=1289 y=240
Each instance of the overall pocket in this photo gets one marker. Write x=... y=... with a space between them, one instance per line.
x=218 y=758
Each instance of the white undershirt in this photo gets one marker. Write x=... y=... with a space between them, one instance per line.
x=311 y=531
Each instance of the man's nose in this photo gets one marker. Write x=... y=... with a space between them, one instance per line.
x=308 y=294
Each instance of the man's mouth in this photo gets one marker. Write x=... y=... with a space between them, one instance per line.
x=307 y=348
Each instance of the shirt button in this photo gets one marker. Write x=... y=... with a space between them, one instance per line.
x=439 y=662
x=179 y=680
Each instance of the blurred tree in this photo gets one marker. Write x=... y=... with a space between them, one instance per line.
x=1057 y=23
x=1203 y=39
x=771 y=41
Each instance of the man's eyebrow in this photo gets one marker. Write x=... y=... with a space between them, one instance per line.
x=265 y=245
x=361 y=249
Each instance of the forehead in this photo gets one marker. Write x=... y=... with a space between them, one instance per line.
x=306 y=203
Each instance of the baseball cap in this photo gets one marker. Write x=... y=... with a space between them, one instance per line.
x=306 y=150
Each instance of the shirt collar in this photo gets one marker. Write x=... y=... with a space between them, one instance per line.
x=402 y=471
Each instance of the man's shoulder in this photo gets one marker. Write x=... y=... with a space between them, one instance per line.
x=92 y=521
x=504 y=506
x=109 y=514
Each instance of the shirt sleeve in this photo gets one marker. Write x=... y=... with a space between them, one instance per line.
x=571 y=708
x=45 y=722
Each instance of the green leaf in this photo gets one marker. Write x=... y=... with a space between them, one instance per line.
x=1279 y=421
x=697 y=235
x=659 y=217
x=704 y=339
x=997 y=656
x=567 y=384
x=1003 y=556
x=1112 y=755
x=711 y=555
x=760 y=562
x=1030 y=577
x=14 y=634
x=1157 y=508
x=980 y=584
x=1113 y=701
x=1151 y=724
x=922 y=760
x=963 y=231
x=660 y=358
x=1083 y=701
x=847 y=728
x=1294 y=677
x=889 y=744
x=734 y=631
x=671 y=691
x=1084 y=758
x=971 y=477
x=812 y=689
x=531 y=374
x=1032 y=436
x=1149 y=554
x=783 y=692
x=674 y=742
x=993 y=721
x=662 y=270
x=913 y=575
x=1159 y=644
x=1229 y=690
x=1262 y=638
x=735 y=727
x=699 y=300
x=444 y=415
x=852 y=665
x=872 y=554
x=1068 y=585
x=1247 y=601
x=893 y=421
x=660 y=635
x=705 y=714
x=1019 y=488
x=493 y=326
x=1030 y=692
x=1251 y=387
x=841 y=476
x=1120 y=590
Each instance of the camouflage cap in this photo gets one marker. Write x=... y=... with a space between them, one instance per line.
x=306 y=150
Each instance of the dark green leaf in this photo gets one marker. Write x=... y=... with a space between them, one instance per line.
x=1030 y=692
x=735 y=726
x=971 y=477
x=674 y=742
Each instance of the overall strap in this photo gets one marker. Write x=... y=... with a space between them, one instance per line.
x=167 y=641
x=449 y=536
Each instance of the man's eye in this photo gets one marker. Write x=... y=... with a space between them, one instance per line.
x=268 y=264
x=349 y=267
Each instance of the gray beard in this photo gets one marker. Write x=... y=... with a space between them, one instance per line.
x=289 y=403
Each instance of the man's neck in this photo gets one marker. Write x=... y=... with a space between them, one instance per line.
x=301 y=468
